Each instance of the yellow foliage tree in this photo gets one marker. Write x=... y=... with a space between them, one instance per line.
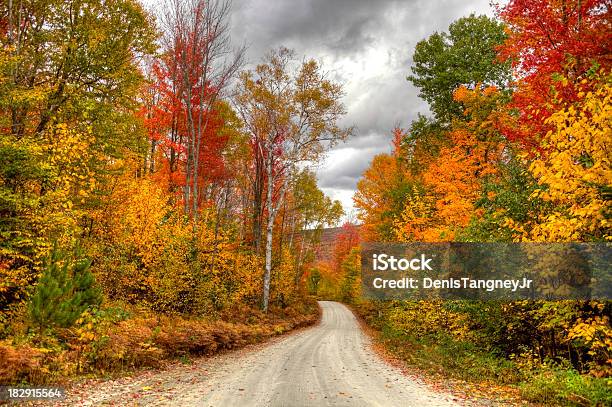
x=416 y=221
x=573 y=171
x=145 y=251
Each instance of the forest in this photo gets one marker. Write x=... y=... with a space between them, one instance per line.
x=153 y=189
x=158 y=198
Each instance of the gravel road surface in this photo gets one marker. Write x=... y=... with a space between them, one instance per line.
x=330 y=364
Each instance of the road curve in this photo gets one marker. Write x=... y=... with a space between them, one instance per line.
x=330 y=364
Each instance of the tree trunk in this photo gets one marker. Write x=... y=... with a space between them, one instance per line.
x=268 y=272
x=152 y=157
x=258 y=198
x=269 y=230
x=190 y=132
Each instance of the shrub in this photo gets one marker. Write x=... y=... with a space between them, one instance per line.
x=559 y=386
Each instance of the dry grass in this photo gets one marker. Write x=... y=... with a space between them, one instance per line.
x=18 y=363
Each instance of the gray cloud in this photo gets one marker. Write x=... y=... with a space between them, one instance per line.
x=346 y=165
x=343 y=26
x=365 y=44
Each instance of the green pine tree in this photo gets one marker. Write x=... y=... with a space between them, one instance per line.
x=65 y=289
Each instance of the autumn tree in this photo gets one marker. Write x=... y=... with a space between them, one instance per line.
x=311 y=211
x=145 y=252
x=450 y=182
x=291 y=113
x=382 y=190
x=69 y=77
x=351 y=276
x=346 y=240
x=199 y=63
x=465 y=55
x=442 y=157
x=573 y=171
x=74 y=58
x=557 y=50
x=552 y=45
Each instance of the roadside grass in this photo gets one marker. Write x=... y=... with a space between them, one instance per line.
x=445 y=356
x=559 y=386
x=442 y=356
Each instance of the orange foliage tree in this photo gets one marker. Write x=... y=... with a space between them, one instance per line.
x=381 y=192
x=452 y=181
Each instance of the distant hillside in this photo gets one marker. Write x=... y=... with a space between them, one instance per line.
x=325 y=248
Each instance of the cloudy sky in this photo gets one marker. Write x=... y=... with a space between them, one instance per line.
x=365 y=44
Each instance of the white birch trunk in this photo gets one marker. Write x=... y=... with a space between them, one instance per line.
x=269 y=230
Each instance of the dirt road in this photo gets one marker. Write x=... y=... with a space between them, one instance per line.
x=330 y=364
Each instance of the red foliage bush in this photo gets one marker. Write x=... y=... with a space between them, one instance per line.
x=19 y=363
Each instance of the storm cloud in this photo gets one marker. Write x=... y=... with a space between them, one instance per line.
x=366 y=45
